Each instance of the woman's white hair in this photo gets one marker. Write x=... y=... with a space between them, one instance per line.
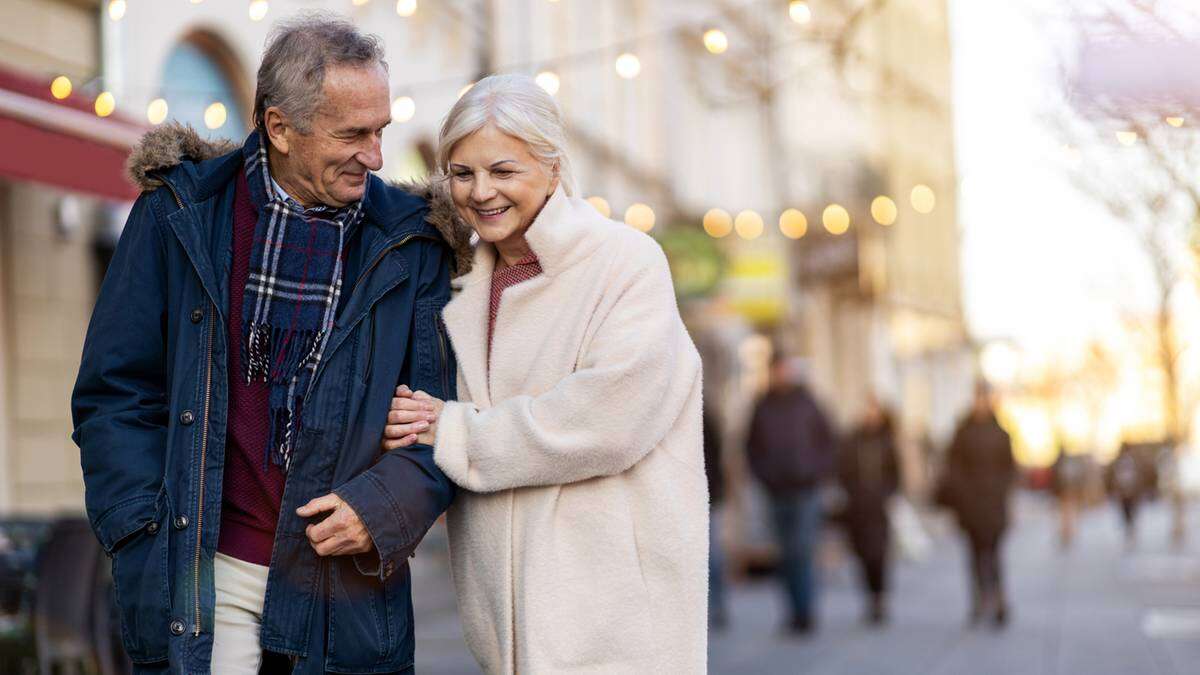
x=517 y=106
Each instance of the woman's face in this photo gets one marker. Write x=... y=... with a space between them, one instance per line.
x=498 y=186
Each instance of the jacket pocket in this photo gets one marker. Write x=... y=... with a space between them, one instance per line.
x=141 y=585
x=370 y=620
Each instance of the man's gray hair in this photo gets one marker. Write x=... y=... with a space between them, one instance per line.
x=517 y=106
x=292 y=74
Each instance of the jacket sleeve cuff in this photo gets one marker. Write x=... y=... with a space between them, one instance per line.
x=450 y=446
x=385 y=524
x=123 y=520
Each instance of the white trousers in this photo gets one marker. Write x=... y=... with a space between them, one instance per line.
x=241 y=589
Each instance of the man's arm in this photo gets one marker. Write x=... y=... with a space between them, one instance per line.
x=120 y=406
x=399 y=498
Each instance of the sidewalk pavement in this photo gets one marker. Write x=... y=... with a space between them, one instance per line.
x=1094 y=608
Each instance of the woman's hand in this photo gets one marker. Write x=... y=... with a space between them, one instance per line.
x=412 y=419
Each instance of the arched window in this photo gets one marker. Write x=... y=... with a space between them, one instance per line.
x=204 y=87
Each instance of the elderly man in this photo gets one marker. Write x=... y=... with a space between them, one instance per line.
x=262 y=306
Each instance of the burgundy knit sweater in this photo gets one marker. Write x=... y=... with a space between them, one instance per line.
x=253 y=485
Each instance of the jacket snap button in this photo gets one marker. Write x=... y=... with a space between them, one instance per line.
x=152 y=527
x=181 y=522
x=177 y=627
x=187 y=417
x=197 y=315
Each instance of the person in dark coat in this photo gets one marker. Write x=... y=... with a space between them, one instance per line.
x=980 y=472
x=718 y=616
x=869 y=473
x=1129 y=481
x=791 y=450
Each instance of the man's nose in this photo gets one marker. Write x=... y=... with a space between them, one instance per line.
x=372 y=156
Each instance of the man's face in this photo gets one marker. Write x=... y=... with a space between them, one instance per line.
x=329 y=164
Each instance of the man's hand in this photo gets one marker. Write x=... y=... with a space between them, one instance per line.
x=412 y=419
x=341 y=533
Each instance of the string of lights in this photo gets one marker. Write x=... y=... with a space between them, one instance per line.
x=717 y=223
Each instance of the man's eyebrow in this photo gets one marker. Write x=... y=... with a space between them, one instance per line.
x=355 y=131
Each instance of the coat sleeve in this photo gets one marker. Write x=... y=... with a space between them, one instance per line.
x=401 y=496
x=631 y=384
x=119 y=406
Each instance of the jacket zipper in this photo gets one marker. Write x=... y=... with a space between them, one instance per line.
x=203 y=458
x=203 y=444
x=444 y=365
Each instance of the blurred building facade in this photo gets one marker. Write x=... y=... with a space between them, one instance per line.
x=60 y=190
x=700 y=121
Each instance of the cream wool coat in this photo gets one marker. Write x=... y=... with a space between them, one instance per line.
x=579 y=542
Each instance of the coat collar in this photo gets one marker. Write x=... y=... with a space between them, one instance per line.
x=566 y=231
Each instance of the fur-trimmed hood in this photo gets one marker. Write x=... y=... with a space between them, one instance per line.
x=174 y=143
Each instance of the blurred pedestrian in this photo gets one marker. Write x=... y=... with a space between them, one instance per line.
x=978 y=478
x=791 y=449
x=869 y=473
x=718 y=616
x=1128 y=483
x=1070 y=479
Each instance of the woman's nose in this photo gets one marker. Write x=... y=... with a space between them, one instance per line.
x=481 y=190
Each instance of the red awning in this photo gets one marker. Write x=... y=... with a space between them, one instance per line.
x=62 y=143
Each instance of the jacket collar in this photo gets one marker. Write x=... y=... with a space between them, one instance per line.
x=197 y=169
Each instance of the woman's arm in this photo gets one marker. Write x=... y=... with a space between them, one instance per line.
x=638 y=372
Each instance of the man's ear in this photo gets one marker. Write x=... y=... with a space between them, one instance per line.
x=278 y=129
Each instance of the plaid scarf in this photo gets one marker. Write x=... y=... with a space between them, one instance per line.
x=291 y=295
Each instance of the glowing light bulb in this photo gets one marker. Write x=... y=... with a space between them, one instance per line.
x=640 y=216
x=718 y=223
x=884 y=210
x=715 y=41
x=60 y=88
x=549 y=81
x=793 y=224
x=836 y=219
x=403 y=108
x=601 y=205
x=923 y=199
x=156 y=112
x=215 y=115
x=258 y=9
x=628 y=66
x=105 y=104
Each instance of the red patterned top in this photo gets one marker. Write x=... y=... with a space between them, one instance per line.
x=523 y=270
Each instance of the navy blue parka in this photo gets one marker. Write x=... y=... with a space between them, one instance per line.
x=150 y=408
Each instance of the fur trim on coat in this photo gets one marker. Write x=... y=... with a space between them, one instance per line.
x=173 y=143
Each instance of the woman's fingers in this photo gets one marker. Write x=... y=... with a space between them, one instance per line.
x=402 y=430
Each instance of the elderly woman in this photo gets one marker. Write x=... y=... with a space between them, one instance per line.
x=579 y=539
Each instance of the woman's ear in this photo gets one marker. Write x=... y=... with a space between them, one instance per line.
x=553 y=179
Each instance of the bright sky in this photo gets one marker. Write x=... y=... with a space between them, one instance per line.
x=1041 y=263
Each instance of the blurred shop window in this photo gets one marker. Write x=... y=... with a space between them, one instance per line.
x=204 y=86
